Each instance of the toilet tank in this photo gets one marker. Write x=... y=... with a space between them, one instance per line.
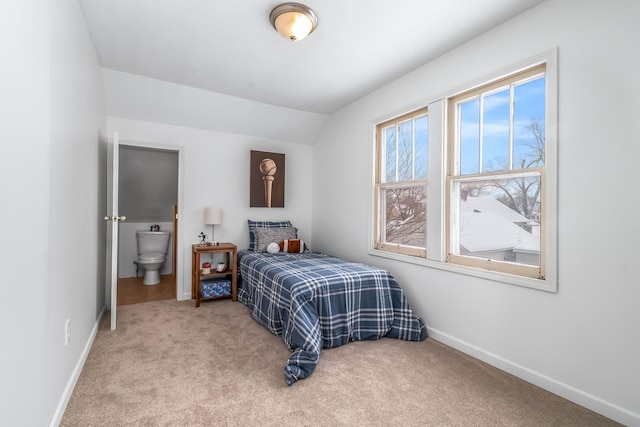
x=153 y=241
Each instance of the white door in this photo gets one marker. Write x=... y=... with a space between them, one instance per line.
x=112 y=219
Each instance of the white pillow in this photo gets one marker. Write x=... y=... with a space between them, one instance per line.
x=273 y=248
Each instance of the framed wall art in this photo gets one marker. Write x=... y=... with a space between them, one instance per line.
x=266 y=180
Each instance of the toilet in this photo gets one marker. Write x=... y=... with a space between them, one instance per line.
x=152 y=253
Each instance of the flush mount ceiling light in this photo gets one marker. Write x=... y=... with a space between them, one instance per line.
x=294 y=21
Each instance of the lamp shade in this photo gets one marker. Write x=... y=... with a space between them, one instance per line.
x=212 y=215
x=294 y=21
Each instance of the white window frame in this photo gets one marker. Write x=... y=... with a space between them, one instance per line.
x=436 y=251
x=455 y=177
x=380 y=186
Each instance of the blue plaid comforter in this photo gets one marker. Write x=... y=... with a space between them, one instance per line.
x=316 y=301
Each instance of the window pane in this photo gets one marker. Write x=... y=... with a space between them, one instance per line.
x=495 y=131
x=405 y=150
x=528 y=116
x=499 y=219
x=390 y=153
x=421 y=147
x=405 y=215
x=402 y=144
x=469 y=137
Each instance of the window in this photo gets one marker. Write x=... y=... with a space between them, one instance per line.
x=495 y=179
x=401 y=192
x=471 y=186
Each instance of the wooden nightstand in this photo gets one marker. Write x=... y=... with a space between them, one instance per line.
x=231 y=272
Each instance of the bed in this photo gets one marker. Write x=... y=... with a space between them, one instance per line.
x=314 y=301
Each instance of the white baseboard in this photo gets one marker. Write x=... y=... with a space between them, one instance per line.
x=71 y=384
x=594 y=403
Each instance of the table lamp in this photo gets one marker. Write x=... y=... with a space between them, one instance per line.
x=212 y=216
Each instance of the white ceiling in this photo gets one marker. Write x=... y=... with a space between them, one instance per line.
x=229 y=46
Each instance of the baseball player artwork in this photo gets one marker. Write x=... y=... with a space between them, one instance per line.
x=267 y=180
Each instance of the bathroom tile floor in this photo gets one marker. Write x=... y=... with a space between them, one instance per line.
x=132 y=291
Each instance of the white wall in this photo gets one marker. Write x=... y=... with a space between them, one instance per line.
x=141 y=98
x=51 y=191
x=215 y=171
x=76 y=256
x=584 y=341
x=24 y=108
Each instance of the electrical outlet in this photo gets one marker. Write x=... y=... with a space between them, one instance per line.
x=67 y=332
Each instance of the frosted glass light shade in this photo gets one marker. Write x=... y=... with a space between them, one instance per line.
x=212 y=215
x=294 y=21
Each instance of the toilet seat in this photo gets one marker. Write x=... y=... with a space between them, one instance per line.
x=151 y=257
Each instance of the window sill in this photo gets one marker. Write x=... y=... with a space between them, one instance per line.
x=546 y=285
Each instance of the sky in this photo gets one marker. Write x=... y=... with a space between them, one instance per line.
x=493 y=144
x=490 y=149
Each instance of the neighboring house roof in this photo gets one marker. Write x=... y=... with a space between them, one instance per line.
x=488 y=204
x=488 y=225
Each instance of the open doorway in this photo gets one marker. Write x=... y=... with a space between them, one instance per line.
x=148 y=196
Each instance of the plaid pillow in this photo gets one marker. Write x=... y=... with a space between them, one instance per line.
x=263 y=224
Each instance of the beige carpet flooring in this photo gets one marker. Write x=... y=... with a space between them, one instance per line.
x=170 y=364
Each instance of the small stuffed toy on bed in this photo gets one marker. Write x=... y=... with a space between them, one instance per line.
x=292 y=246
x=273 y=248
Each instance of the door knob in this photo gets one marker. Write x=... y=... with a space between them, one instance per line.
x=115 y=218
